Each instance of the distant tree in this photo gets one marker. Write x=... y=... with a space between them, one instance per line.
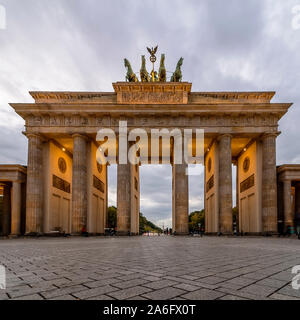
x=234 y=214
x=145 y=224
x=112 y=217
x=195 y=218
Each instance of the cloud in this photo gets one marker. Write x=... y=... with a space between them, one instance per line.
x=80 y=45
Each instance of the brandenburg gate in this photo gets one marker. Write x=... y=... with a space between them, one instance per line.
x=67 y=187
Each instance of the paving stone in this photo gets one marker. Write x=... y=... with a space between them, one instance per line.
x=279 y=296
x=271 y=282
x=65 y=297
x=128 y=293
x=203 y=294
x=30 y=297
x=94 y=292
x=62 y=291
x=99 y=283
x=289 y=291
x=131 y=283
x=101 y=297
x=255 y=276
x=185 y=286
x=151 y=278
x=212 y=280
x=231 y=297
x=164 y=294
x=160 y=284
x=258 y=290
x=240 y=281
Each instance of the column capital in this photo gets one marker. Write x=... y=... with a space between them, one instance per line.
x=36 y=135
x=17 y=181
x=269 y=134
x=224 y=135
x=286 y=180
x=74 y=135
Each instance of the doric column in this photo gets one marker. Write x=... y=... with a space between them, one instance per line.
x=237 y=198
x=6 y=210
x=34 y=190
x=123 y=198
x=269 y=185
x=287 y=206
x=180 y=191
x=79 y=183
x=225 y=185
x=16 y=208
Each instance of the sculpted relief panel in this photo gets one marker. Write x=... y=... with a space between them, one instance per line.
x=153 y=97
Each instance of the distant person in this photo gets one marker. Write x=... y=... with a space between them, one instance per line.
x=288 y=230
x=280 y=228
x=201 y=232
x=84 y=232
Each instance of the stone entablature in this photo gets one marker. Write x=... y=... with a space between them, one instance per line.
x=253 y=123
x=10 y=172
x=219 y=112
x=288 y=172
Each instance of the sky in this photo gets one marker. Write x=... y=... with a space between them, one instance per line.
x=79 y=45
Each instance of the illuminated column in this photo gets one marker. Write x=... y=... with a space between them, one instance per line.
x=79 y=183
x=34 y=190
x=287 y=206
x=225 y=184
x=6 y=210
x=269 y=185
x=123 y=198
x=180 y=191
x=237 y=197
x=16 y=209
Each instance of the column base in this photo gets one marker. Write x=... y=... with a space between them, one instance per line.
x=125 y=233
x=180 y=233
x=14 y=236
x=34 y=234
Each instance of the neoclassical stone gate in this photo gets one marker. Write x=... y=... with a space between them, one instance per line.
x=67 y=189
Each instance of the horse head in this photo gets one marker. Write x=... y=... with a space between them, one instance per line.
x=126 y=63
x=180 y=61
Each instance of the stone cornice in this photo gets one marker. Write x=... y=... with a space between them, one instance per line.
x=231 y=97
x=73 y=97
x=288 y=172
x=228 y=97
x=288 y=167
x=24 y=109
x=13 y=173
x=13 y=167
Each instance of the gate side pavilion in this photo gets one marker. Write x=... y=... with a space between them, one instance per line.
x=67 y=190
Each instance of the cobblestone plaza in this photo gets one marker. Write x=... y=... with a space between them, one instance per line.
x=164 y=267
